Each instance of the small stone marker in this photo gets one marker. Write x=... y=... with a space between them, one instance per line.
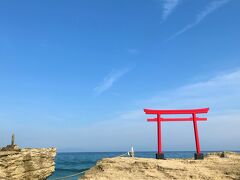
x=13 y=140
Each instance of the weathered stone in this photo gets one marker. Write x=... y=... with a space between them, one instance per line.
x=26 y=164
x=124 y=168
x=11 y=148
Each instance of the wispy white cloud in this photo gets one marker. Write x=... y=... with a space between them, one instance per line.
x=168 y=8
x=212 y=6
x=110 y=79
x=220 y=92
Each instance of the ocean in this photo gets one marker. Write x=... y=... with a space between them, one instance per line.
x=72 y=163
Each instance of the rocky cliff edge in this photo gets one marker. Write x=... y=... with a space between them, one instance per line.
x=215 y=166
x=27 y=163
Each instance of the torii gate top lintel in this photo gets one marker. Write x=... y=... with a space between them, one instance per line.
x=182 y=111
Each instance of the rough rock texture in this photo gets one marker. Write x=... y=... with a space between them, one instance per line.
x=26 y=164
x=215 y=166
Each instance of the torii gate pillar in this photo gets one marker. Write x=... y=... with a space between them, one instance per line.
x=159 y=154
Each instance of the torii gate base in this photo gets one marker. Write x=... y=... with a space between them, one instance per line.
x=160 y=156
x=198 y=156
x=194 y=119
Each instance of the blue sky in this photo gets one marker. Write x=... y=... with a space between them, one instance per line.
x=77 y=74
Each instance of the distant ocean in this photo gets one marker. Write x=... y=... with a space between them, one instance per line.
x=72 y=163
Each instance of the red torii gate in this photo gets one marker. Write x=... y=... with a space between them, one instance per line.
x=194 y=118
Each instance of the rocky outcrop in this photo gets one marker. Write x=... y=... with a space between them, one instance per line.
x=215 y=166
x=27 y=163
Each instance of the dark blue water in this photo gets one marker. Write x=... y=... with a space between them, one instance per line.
x=72 y=163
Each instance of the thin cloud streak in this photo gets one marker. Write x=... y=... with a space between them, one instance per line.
x=109 y=80
x=201 y=16
x=168 y=8
x=220 y=93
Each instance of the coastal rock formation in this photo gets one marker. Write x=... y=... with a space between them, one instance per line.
x=26 y=164
x=214 y=166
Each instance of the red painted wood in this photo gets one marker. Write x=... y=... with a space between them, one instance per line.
x=194 y=119
x=183 y=111
x=159 y=134
x=196 y=133
x=176 y=119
